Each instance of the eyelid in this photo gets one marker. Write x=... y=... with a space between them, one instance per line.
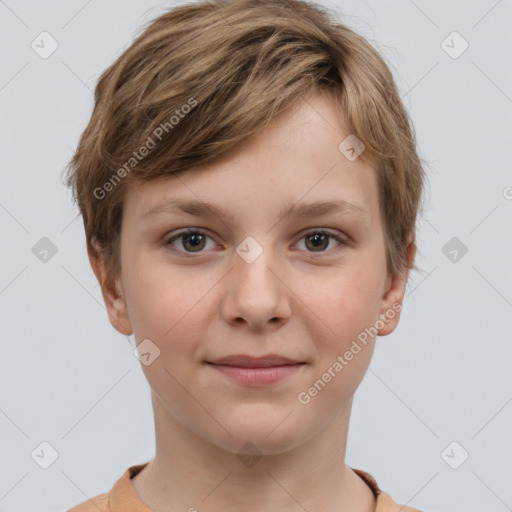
x=336 y=235
x=179 y=234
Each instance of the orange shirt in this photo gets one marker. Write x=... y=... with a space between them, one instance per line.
x=122 y=497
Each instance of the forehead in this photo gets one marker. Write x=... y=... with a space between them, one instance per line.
x=295 y=159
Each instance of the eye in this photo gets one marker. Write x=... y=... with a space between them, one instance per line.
x=194 y=240
x=319 y=240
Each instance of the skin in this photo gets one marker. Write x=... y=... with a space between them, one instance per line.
x=303 y=302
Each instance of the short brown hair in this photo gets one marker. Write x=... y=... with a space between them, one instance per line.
x=223 y=70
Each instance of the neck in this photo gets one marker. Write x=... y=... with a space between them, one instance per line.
x=189 y=472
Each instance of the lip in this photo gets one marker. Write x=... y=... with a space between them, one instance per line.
x=247 y=361
x=256 y=371
x=257 y=376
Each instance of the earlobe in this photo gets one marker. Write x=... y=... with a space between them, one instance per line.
x=391 y=304
x=118 y=310
x=112 y=291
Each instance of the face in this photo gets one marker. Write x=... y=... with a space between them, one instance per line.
x=253 y=281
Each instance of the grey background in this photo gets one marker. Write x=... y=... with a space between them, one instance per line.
x=70 y=379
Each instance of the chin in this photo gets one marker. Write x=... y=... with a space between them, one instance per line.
x=261 y=434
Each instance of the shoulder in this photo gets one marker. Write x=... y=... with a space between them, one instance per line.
x=385 y=503
x=97 y=504
x=121 y=497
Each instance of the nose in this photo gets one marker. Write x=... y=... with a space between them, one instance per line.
x=256 y=292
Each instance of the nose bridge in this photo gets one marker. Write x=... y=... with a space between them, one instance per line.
x=254 y=259
x=255 y=293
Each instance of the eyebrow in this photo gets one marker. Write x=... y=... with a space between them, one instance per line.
x=296 y=210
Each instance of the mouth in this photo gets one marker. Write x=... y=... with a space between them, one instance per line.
x=248 y=361
x=256 y=371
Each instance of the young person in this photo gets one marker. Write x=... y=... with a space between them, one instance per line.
x=249 y=185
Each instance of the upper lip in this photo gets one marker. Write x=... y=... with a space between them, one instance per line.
x=247 y=361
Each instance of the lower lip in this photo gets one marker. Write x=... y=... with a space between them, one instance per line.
x=258 y=376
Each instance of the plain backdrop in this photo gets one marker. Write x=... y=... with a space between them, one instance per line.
x=439 y=389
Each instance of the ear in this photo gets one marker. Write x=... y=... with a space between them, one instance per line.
x=394 y=291
x=113 y=293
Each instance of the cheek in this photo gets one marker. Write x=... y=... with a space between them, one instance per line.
x=159 y=297
x=345 y=306
x=344 y=311
x=342 y=302
x=170 y=307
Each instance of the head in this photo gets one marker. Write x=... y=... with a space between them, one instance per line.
x=247 y=106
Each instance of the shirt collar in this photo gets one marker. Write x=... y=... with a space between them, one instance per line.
x=123 y=498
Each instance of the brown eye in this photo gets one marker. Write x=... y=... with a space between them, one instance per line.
x=319 y=241
x=192 y=241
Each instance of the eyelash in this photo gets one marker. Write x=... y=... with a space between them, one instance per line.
x=192 y=231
